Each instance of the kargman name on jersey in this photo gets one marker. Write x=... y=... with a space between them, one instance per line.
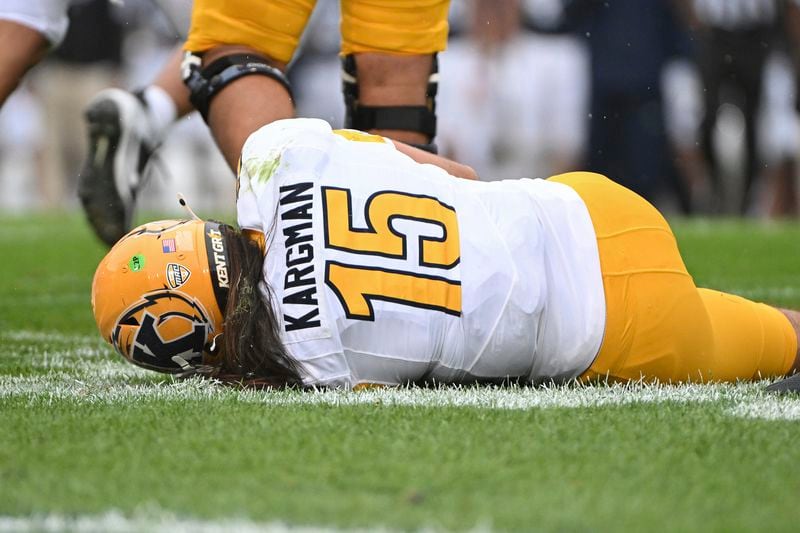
x=300 y=305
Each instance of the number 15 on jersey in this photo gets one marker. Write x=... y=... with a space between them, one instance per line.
x=357 y=285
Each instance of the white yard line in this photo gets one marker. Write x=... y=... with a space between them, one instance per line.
x=48 y=336
x=159 y=521
x=78 y=368
x=111 y=384
x=768 y=408
x=768 y=293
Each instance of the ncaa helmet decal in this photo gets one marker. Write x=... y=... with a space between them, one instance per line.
x=163 y=311
x=163 y=331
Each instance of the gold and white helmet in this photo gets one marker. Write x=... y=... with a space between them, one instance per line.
x=159 y=294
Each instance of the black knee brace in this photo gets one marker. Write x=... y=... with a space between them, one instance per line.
x=420 y=119
x=205 y=82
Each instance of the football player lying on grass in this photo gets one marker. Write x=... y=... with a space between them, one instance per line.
x=363 y=261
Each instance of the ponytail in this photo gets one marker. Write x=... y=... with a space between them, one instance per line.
x=252 y=351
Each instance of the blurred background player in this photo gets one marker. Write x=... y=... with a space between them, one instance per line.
x=88 y=37
x=88 y=60
x=733 y=42
x=520 y=80
x=28 y=29
x=779 y=127
x=85 y=37
x=784 y=200
x=775 y=193
x=124 y=129
x=630 y=42
x=389 y=76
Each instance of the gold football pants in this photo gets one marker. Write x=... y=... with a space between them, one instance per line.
x=659 y=325
x=274 y=27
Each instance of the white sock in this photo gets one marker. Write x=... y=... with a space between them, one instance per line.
x=161 y=109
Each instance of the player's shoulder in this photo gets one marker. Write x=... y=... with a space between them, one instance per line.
x=281 y=134
x=298 y=143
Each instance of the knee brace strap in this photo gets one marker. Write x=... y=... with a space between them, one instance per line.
x=206 y=82
x=420 y=119
x=407 y=118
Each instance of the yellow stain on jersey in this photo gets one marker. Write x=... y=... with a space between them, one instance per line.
x=261 y=169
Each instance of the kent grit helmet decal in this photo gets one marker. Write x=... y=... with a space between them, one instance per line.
x=159 y=294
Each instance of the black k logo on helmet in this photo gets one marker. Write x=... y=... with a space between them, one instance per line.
x=164 y=331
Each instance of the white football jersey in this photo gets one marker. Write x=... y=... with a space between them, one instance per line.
x=383 y=270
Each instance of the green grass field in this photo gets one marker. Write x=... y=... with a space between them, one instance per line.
x=90 y=442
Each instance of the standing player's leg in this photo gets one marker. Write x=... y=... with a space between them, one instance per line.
x=247 y=103
x=239 y=55
x=124 y=129
x=659 y=325
x=389 y=66
x=396 y=41
x=387 y=82
x=28 y=29
x=21 y=47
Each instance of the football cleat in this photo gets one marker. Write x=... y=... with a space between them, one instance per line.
x=120 y=145
x=159 y=295
x=790 y=385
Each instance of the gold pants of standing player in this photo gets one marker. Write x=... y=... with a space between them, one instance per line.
x=659 y=325
x=274 y=28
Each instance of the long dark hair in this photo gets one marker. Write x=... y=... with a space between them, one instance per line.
x=252 y=351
